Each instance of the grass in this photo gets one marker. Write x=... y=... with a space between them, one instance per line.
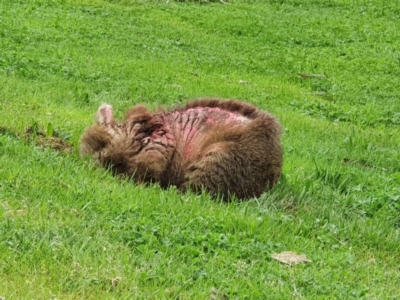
x=71 y=231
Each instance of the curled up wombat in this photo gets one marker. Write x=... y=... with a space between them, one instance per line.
x=226 y=147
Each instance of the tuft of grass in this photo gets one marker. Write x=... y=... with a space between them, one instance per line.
x=329 y=69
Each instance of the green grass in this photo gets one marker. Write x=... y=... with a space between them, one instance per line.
x=69 y=230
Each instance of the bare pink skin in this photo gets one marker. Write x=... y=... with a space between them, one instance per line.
x=190 y=124
x=226 y=147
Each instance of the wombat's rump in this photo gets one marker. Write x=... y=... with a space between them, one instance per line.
x=226 y=147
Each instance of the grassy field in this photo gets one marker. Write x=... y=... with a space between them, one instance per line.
x=328 y=69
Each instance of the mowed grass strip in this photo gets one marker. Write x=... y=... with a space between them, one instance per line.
x=328 y=69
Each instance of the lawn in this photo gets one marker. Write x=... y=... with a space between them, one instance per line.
x=328 y=69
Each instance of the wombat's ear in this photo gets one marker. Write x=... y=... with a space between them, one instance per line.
x=104 y=115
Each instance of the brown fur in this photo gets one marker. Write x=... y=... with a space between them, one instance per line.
x=226 y=147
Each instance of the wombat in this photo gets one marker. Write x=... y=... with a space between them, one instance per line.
x=226 y=147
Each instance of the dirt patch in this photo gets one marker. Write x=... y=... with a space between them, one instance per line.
x=33 y=134
x=54 y=143
x=42 y=140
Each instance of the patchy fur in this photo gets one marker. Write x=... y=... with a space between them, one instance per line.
x=226 y=147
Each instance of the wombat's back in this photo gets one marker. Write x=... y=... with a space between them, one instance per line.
x=227 y=147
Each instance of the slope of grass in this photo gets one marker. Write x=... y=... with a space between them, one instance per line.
x=71 y=231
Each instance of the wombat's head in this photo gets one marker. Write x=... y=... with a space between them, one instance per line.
x=112 y=144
